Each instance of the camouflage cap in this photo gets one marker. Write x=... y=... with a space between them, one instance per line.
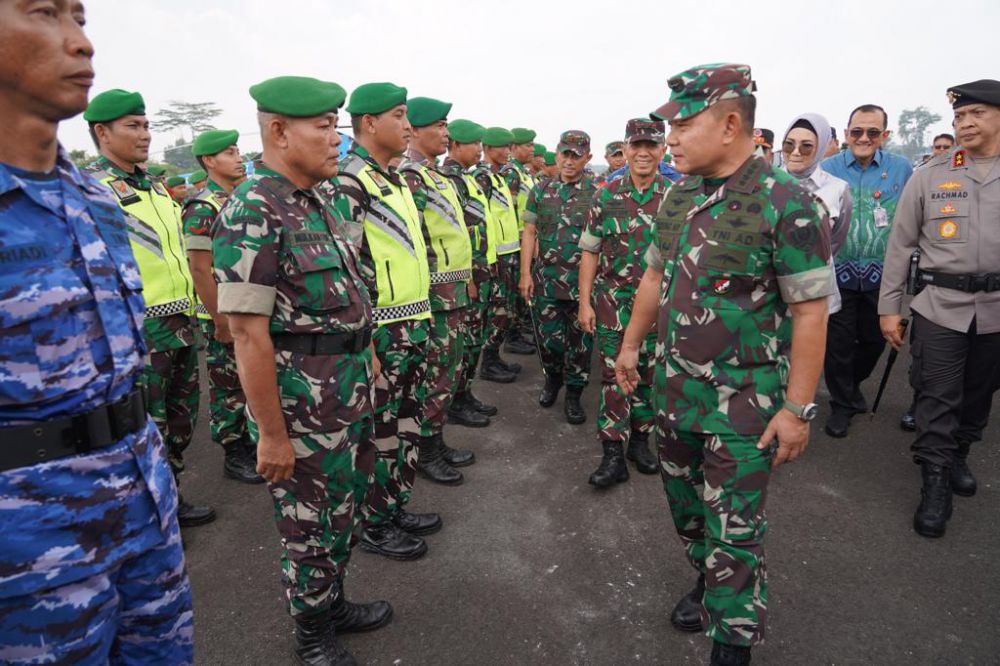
x=645 y=129
x=614 y=147
x=698 y=88
x=575 y=141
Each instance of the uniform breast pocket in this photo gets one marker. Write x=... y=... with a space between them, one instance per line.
x=618 y=234
x=948 y=222
x=729 y=277
x=317 y=276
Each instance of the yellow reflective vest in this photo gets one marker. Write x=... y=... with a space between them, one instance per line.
x=492 y=230
x=504 y=211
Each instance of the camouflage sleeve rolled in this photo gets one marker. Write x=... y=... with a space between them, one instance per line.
x=352 y=200
x=802 y=250
x=245 y=252
x=590 y=239
x=197 y=219
x=531 y=210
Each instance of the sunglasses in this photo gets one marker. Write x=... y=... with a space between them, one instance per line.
x=805 y=148
x=859 y=132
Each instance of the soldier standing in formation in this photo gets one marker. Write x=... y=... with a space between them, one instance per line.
x=120 y=130
x=217 y=151
x=619 y=230
x=555 y=217
x=737 y=283
x=91 y=562
x=949 y=213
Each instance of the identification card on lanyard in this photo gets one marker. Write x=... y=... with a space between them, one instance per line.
x=881 y=216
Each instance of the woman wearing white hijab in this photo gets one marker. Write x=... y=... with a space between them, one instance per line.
x=803 y=148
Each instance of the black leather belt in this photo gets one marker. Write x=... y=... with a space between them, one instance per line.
x=968 y=282
x=318 y=344
x=49 y=440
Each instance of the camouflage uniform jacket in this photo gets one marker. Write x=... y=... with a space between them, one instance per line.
x=559 y=212
x=619 y=230
x=199 y=214
x=475 y=218
x=732 y=260
x=71 y=311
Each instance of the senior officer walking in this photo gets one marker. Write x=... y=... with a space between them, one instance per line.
x=217 y=151
x=394 y=266
x=555 y=216
x=619 y=230
x=740 y=247
x=301 y=321
x=120 y=130
x=91 y=561
x=950 y=213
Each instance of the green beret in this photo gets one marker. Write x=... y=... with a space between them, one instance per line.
x=497 y=136
x=214 y=142
x=523 y=135
x=539 y=150
x=113 y=104
x=298 y=96
x=465 y=131
x=375 y=98
x=174 y=181
x=694 y=90
x=550 y=158
x=199 y=176
x=156 y=170
x=424 y=111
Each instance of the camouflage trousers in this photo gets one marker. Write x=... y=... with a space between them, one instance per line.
x=226 y=402
x=443 y=363
x=564 y=348
x=620 y=415
x=476 y=317
x=508 y=267
x=717 y=487
x=319 y=509
x=400 y=347
x=170 y=384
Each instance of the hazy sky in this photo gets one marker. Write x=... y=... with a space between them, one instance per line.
x=547 y=65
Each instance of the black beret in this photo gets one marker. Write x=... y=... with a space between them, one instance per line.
x=983 y=91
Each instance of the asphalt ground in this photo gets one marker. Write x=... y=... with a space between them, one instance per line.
x=534 y=566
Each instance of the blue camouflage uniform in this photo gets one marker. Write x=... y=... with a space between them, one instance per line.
x=91 y=563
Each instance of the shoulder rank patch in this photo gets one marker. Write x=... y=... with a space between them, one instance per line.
x=123 y=191
x=959 y=159
x=950 y=185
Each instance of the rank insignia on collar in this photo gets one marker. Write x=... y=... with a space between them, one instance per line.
x=723 y=286
x=959 y=159
x=950 y=185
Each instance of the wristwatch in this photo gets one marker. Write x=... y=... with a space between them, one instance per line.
x=806 y=412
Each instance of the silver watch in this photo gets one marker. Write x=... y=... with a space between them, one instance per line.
x=806 y=412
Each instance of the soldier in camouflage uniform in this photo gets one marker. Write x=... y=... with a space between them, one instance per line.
x=394 y=265
x=503 y=209
x=301 y=319
x=120 y=130
x=537 y=161
x=619 y=230
x=464 y=152
x=555 y=215
x=91 y=561
x=521 y=337
x=217 y=151
x=742 y=257
x=449 y=258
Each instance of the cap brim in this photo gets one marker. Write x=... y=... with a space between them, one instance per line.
x=576 y=150
x=655 y=138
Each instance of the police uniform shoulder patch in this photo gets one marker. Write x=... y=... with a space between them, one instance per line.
x=959 y=159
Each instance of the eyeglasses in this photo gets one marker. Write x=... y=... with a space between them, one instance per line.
x=872 y=132
x=805 y=148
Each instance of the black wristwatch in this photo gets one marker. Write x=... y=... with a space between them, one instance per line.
x=806 y=412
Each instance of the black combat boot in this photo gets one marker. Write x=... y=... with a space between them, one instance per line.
x=686 y=615
x=724 y=654
x=479 y=405
x=516 y=344
x=491 y=368
x=514 y=368
x=572 y=407
x=456 y=457
x=240 y=463
x=932 y=515
x=612 y=469
x=462 y=412
x=316 y=642
x=192 y=515
x=963 y=483
x=351 y=618
x=431 y=462
x=553 y=382
x=387 y=540
x=638 y=452
x=420 y=524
